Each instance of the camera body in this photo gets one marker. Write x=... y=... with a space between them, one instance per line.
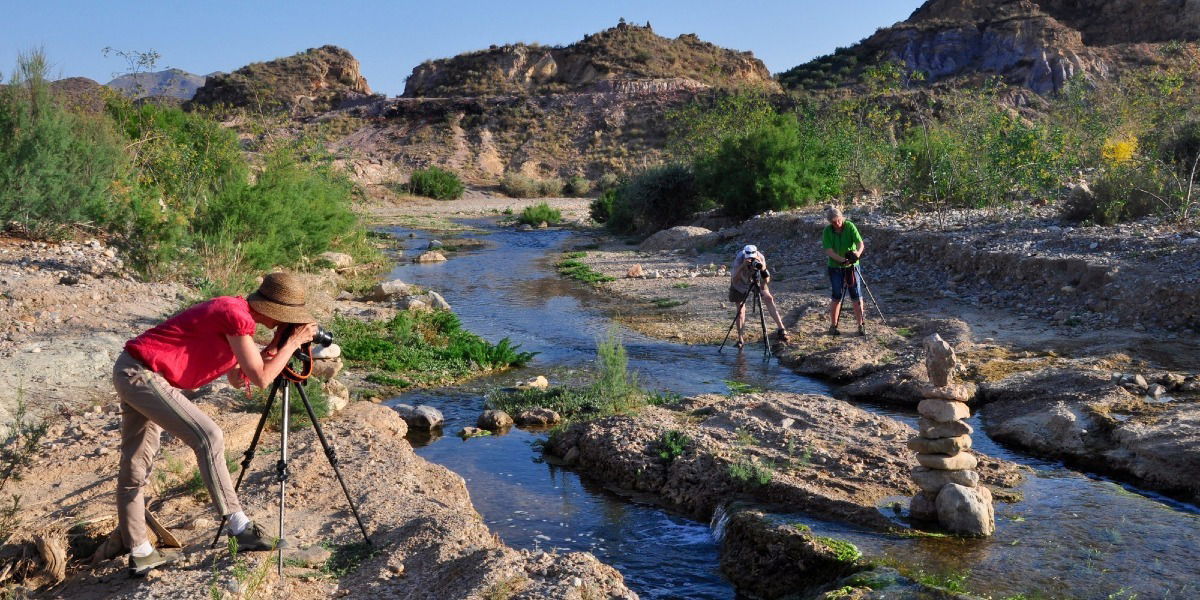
x=323 y=337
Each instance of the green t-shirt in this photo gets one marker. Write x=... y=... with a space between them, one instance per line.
x=841 y=243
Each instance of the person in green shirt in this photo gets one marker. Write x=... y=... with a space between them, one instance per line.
x=843 y=245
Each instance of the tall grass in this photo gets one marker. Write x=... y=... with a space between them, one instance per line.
x=540 y=213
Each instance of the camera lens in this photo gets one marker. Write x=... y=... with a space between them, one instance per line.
x=323 y=337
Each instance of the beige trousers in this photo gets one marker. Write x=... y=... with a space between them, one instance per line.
x=148 y=406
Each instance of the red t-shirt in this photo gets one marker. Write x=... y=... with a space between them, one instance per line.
x=190 y=349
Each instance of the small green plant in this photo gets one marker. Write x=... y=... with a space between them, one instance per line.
x=842 y=550
x=672 y=444
x=575 y=254
x=577 y=186
x=345 y=558
x=19 y=447
x=749 y=471
x=667 y=302
x=297 y=414
x=906 y=332
x=436 y=183
x=540 y=213
x=737 y=388
x=683 y=285
x=575 y=269
x=744 y=437
x=950 y=581
x=802 y=527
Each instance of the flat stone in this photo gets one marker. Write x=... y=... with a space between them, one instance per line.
x=933 y=480
x=963 y=461
x=930 y=429
x=966 y=510
x=955 y=392
x=948 y=445
x=388 y=289
x=431 y=256
x=923 y=507
x=943 y=411
x=313 y=556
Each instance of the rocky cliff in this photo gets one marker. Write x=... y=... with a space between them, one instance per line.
x=173 y=83
x=314 y=80
x=624 y=52
x=1038 y=44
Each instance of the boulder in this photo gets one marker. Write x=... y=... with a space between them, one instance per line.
x=387 y=290
x=923 y=507
x=966 y=510
x=327 y=352
x=538 y=417
x=635 y=271
x=326 y=369
x=963 y=461
x=537 y=383
x=948 y=445
x=337 y=259
x=939 y=360
x=430 y=257
x=337 y=395
x=933 y=480
x=679 y=238
x=435 y=244
x=414 y=304
x=494 y=419
x=378 y=417
x=955 y=392
x=943 y=411
x=436 y=301
x=930 y=429
x=424 y=418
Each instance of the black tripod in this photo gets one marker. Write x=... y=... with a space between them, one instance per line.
x=286 y=380
x=753 y=295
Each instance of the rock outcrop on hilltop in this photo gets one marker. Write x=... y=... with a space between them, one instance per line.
x=624 y=52
x=315 y=80
x=1037 y=44
x=172 y=83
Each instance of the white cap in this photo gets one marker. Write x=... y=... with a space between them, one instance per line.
x=749 y=249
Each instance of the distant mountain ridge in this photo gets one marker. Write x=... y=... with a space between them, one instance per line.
x=174 y=83
x=621 y=53
x=1037 y=44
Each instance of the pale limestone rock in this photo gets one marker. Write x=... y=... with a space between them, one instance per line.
x=943 y=411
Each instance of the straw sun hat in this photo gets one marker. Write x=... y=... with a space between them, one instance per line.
x=281 y=297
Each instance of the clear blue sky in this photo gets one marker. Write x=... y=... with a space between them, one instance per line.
x=390 y=38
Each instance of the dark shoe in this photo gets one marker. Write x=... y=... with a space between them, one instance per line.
x=833 y=330
x=740 y=344
x=140 y=565
x=784 y=337
x=862 y=329
x=254 y=538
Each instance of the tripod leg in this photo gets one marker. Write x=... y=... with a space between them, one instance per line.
x=249 y=454
x=736 y=312
x=281 y=466
x=762 y=321
x=331 y=455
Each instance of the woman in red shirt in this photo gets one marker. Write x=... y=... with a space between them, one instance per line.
x=187 y=351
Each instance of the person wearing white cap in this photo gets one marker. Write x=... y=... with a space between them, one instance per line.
x=739 y=287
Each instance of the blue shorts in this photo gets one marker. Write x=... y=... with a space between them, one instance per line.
x=837 y=281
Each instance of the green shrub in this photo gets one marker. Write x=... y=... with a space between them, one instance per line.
x=750 y=472
x=654 y=199
x=1123 y=193
x=577 y=186
x=672 y=444
x=600 y=210
x=608 y=181
x=539 y=213
x=436 y=183
x=778 y=166
x=56 y=168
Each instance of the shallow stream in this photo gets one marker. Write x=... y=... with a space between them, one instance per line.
x=1073 y=536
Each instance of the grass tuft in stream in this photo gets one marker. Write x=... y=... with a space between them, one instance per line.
x=570 y=266
x=615 y=389
x=842 y=550
x=422 y=348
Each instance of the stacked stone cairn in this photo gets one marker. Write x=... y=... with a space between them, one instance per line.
x=951 y=494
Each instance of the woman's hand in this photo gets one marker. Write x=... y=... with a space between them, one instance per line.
x=235 y=376
x=301 y=335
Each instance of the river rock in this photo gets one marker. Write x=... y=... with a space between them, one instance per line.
x=470 y=432
x=928 y=428
x=435 y=244
x=933 y=480
x=337 y=259
x=537 y=383
x=337 y=395
x=1140 y=381
x=327 y=352
x=538 y=417
x=943 y=411
x=963 y=461
x=923 y=507
x=430 y=257
x=939 y=360
x=635 y=271
x=948 y=445
x=494 y=419
x=436 y=301
x=955 y=392
x=414 y=304
x=966 y=510
x=387 y=290
x=425 y=418
x=326 y=369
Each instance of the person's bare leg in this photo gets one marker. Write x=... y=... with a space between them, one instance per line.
x=835 y=310
x=858 y=311
x=741 y=324
x=769 y=300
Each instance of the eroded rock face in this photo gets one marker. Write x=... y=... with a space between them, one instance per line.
x=681 y=237
x=311 y=81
